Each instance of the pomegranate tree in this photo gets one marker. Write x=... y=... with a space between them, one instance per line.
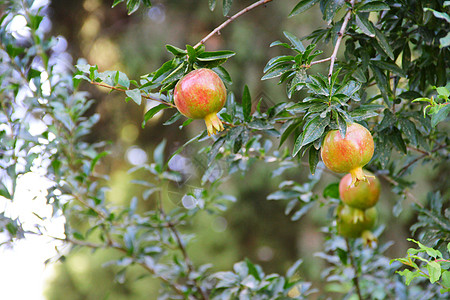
x=349 y=154
x=201 y=94
x=362 y=196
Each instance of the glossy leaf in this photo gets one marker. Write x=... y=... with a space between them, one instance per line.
x=302 y=6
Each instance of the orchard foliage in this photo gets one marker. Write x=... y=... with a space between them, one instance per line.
x=391 y=78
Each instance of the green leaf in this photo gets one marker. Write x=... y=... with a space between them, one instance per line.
x=246 y=104
x=226 y=6
x=446 y=279
x=331 y=191
x=288 y=131
x=192 y=54
x=331 y=8
x=212 y=4
x=434 y=270
x=341 y=124
x=382 y=83
x=409 y=276
x=153 y=111
x=4 y=191
x=313 y=130
x=365 y=25
x=167 y=66
x=132 y=6
x=116 y=2
x=96 y=159
x=175 y=50
x=443 y=91
x=409 y=129
x=389 y=66
x=445 y=41
x=176 y=74
x=277 y=60
x=313 y=159
x=135 y=95
x=384 y=44
x=147 y=3
x=278 y=43
x=397 y=139
x=122 y=79
x=215 y=55
x=173 y=119
x=277 y=71
x=158 y=153
x=302 y=6
x=440 y=115
x=298 y=214
x=296 y=43
x=223 y=74
x=437 y=14
x=373 y=6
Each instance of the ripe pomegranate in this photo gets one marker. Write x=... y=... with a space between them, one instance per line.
x=349 y=154
x=362 y=196
x=201 y=94
x=348 y=228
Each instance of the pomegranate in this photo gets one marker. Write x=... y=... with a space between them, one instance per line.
x=201 y=94
x=362 y=196
x=347 y=227
x=349 y=154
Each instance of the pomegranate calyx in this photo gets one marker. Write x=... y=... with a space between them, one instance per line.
x=213 y=123
x=369 y=240
x=358 y=175
x=358 y=215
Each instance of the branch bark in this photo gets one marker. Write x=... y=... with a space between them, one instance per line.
x=352 y=261
x=231 y=19
x=123 y=90
x=339 y=39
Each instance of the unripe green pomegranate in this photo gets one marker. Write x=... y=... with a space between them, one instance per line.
x=349 y=154
x=361 y=196
x=348 y=228
x=201 y=94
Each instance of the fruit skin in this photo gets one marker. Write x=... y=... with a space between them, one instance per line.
x=349 y=154
x=362 y=196
x=201 y=94
x=350 y=229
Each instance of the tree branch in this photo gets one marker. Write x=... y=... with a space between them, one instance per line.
x=178 y=289
x=123 y=90
x=403 y=170
x=339 y=39
x=355 y=278
x=231 y=19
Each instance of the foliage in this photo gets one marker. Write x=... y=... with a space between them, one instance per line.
x=394 y=53
x=435 y=264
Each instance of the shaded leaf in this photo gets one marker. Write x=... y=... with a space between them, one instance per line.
x=302 y=6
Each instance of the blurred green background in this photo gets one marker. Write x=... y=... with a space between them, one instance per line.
x=252 y=227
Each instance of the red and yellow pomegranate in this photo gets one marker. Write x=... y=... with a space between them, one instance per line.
x=363 y=196
x=348 y=228
x=349 y=154
x=201 y=94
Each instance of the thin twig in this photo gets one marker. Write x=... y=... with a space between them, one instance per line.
x=403 y=170
x=355 y=278
x=339 y=39
x=181 y=246
x=231 y=19
x=417 y=149
x=178 y=289
x=405 y=191
x=320 y=61
x=123 y=90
